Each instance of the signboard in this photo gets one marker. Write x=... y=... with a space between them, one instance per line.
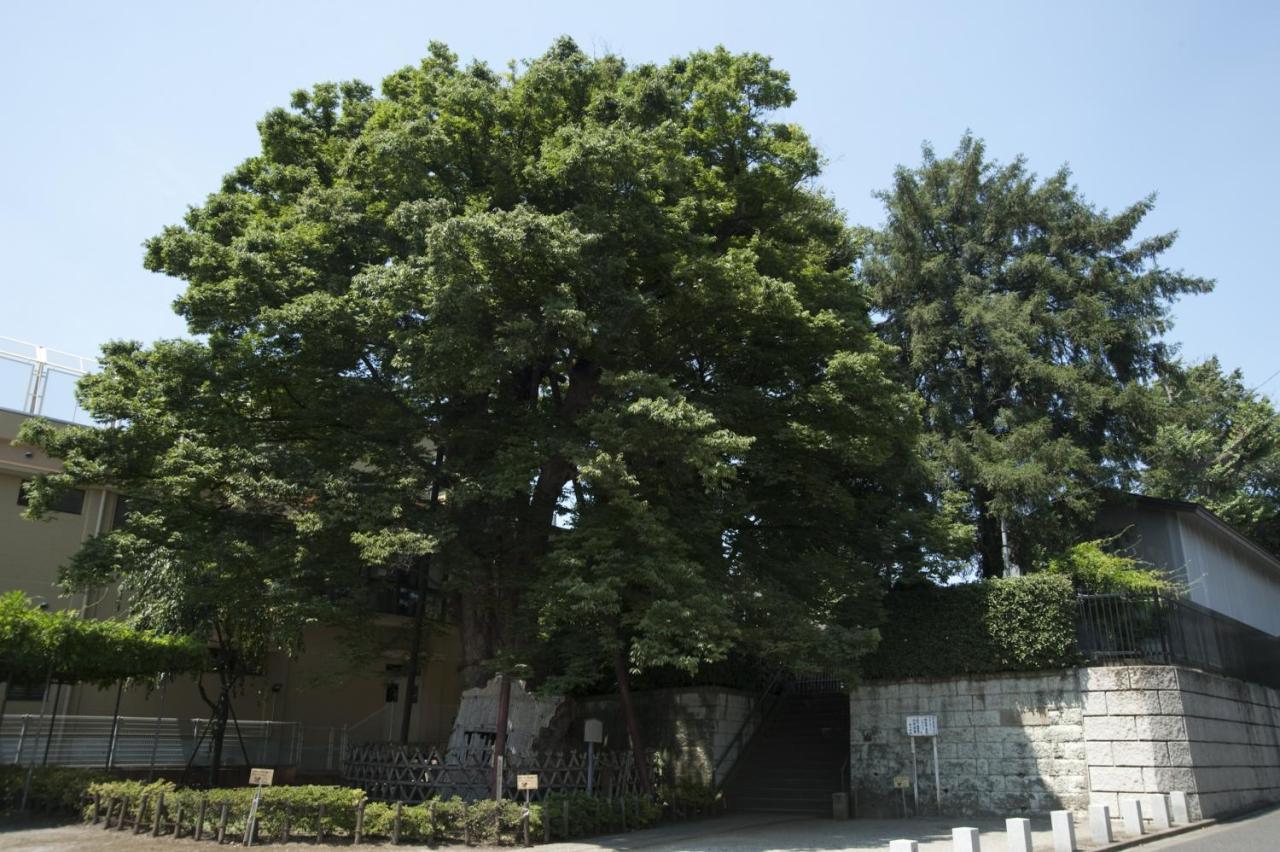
x=901 y=782
x=526 y=782
x=922 y=726
x=261 y=777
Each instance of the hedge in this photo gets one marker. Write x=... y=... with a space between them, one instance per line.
x=54 y=789
x=480 y=822
x=1005 y=625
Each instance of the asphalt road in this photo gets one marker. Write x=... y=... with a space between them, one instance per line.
x=1259 y=832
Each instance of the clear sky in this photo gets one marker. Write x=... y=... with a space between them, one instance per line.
x=119 y=115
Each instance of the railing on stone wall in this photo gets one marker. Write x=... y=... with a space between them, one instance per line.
x=397 y=773
x=1154 y=628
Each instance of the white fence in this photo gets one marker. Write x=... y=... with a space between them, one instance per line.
x=37 y=380
x=133 y=742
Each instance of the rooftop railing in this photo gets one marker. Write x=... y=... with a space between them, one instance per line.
x=35 y=379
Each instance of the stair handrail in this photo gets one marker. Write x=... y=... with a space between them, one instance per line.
x=762 y=707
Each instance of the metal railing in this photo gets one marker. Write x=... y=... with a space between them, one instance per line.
x=1161 y=629
x=132 y=742
x=35 y=367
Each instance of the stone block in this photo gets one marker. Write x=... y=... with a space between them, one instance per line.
x=1157 y=807
x=1118 y=779
x=1180 y=810
x=1165 y=778
x=1131 y=813
x=1099 y=753
x=1105 y=678
x=1159 y=728
x=1065 y=733
x=1112 y=728
x=1095 y=703
x=1140 y=753
x=1064 y=831
x=1017 y=833
x=1153 y=677
x=1100 y=824
x=1179 y=753
x=1132 y=702
x=965 y=839
x=903 y=846
x=1072 y=749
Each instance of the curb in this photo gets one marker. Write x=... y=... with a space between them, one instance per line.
x=1156 y=835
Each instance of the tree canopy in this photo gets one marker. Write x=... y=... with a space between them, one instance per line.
x=1218 y=444
x=1032 y=325
x=586 y=335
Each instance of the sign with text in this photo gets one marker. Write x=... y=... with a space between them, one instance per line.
x=526 y=782
x=901 y=782
x=262 y=777
x=922 y=726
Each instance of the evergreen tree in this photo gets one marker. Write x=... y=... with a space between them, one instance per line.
x=1218 y=444
x=1031 y=323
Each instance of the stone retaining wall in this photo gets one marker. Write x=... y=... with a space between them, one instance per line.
x=1018 y=743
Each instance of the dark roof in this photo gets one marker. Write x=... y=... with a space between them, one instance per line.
x=1184 y=507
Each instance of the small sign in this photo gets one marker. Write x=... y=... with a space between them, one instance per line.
x=261 y=777
x=922 y=726
x=901 y=782
x=526 y=782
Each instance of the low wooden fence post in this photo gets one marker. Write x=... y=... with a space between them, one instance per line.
x=320 y=823
x=466 y=824
x=566 y=819
x=284 y=827
x=204 y=804
x=359 y=822
x=141 y=814
x=155 y=822
x=222 y=824
x=395 y=824
x=177 y=820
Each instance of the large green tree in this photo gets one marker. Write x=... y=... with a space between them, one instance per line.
x=1032 y=324
x=1218 y=444
x=585 y=336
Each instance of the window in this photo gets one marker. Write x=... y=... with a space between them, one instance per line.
x=117 y=514
x=71 y=503
x=26 y=692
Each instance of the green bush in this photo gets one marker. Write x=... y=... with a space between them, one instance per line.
x=54 y=789
x=1094 y=568
x=1015 y=624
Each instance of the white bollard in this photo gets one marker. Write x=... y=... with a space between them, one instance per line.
x=903 y=846
x=1131 y=811
x=1178 y=802
x=1018 y=834
x=965 y=840
x=1064 y=831
x=1100 y=824
x=1159 y=807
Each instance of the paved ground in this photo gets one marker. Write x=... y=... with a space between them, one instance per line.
x=742 y=833
x=1258 y=832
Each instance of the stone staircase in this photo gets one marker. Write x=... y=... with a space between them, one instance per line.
x=795 y=763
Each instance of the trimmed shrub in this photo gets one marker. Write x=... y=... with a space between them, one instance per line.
x=54 y=789
x=1005 y=625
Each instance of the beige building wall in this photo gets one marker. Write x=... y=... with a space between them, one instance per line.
x=322 y=688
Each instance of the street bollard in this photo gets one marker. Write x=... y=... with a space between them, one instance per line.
x=1064 y=831
x=1131 y=812
x=1178 y=803
x=903 y=846
x=965 y=840
x=1018 y=834
x=1158 y=805
x=1100 y=824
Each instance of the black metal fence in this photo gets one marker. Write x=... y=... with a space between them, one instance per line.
x=1156 y=628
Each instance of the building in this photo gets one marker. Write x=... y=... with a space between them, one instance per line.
x=298 y=711
x=1219 y=567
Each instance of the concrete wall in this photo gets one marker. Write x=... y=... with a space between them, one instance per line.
x=1012 y=744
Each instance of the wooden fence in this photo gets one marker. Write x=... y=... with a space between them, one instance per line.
x=396 y=773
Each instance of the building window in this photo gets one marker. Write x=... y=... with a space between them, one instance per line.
x=118 y=514
x=72 y=502
x=25 y=692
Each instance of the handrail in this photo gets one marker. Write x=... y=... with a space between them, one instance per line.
x=757 y=709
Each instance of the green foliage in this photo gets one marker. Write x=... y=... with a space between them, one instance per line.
x=1092 y=568
x=593 y=815
x=1218 y=444
x=54 y=789
x=35 y=643
x=1030 y=322
x=1015 y=624
x=513 y=324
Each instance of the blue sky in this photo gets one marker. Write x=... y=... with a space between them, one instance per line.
x=120 y=115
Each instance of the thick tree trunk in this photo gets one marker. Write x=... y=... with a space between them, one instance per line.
x=415 y=652
x=990 y=540
x=500 y=734
x=629 y=714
